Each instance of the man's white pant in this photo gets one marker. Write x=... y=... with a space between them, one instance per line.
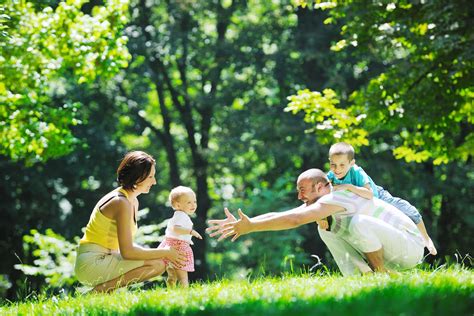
x=401 y=249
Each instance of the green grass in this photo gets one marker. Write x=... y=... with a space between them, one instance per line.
x=443 y=292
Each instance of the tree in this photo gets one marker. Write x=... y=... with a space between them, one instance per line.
x=207 y=82
x=41 y=48
x=423 y=86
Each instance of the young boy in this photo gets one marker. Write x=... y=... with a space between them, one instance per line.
x=346 y=175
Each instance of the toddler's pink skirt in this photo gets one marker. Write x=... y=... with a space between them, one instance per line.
x=183 y=247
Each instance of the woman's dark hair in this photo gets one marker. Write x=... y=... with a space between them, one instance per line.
x=134 y=168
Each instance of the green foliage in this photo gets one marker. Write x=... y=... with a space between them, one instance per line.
x=421 y=59
x=265 y=253
x=332 y=123
x=39 y=51
x=54 y=258
x=441 y=292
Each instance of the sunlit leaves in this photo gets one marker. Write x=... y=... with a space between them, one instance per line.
x=41 y=50
x=54 y=257
x=423 y=74
x=331 y=123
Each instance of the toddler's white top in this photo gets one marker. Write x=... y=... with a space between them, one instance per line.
x=183 y=220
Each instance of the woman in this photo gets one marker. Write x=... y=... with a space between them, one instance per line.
x=106 y=257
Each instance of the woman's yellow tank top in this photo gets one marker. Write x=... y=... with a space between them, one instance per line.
x=103 y=230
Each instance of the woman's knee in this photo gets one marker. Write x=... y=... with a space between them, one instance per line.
x=156 y=264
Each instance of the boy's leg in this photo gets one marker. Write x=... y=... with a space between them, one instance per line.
x=401 y=204
x=182 y=277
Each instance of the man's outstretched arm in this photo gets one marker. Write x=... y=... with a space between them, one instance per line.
x=276 y=221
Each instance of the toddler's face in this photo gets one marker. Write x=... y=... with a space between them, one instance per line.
x=187 y=203
x=340 y=165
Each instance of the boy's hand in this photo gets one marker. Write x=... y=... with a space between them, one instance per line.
x=323 y=224
x=196 y=234
x=431 y=247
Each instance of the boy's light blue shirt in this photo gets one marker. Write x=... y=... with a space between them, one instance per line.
x=355 y=176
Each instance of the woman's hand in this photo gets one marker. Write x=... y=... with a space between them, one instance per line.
x=176 y=257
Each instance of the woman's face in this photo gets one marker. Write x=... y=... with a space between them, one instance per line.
x=145 y=185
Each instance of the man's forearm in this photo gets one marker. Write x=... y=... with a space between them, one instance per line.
x=292 y=218
x=273 y=214
x=274 y=221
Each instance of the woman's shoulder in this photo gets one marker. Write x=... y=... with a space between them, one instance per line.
x=114 y=200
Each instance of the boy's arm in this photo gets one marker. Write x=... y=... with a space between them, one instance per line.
x=365 y=191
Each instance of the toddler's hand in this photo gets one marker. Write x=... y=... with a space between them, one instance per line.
x=323 y=224
x=196 y=234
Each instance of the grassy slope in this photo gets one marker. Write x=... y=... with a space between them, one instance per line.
x=445 y=292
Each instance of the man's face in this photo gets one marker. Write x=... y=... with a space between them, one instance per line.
x=340 y=165
x=307 y=191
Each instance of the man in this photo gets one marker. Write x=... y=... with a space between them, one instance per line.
x=361 y=229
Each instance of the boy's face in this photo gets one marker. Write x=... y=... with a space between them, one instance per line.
x=187 y=203
x=340 y=165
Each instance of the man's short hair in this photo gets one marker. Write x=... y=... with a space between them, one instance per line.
x=315 y=175
x=342 y=148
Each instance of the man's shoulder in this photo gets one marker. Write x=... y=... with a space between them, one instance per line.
x=342 y=198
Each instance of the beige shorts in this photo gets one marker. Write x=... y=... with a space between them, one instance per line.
x=96 y=264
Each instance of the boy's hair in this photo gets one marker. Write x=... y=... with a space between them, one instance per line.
x=178 y=192
x=342 y=148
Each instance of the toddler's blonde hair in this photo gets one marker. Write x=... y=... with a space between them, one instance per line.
x=178 y=192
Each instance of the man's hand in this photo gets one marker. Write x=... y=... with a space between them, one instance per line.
x=237 y=228
x=216 y=226
x=196 y=234
x=323 y=224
